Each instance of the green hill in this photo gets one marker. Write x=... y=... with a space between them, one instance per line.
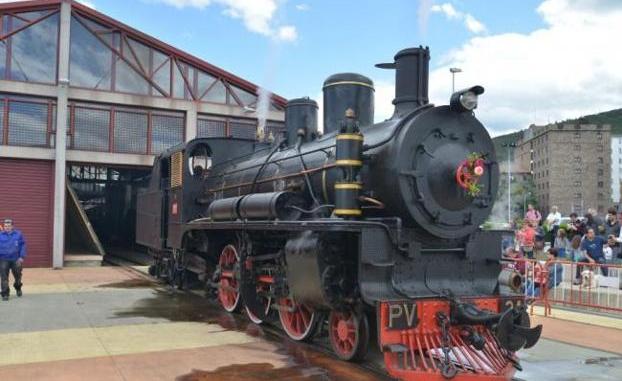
x=612 y=117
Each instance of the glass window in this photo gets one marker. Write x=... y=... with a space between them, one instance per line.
x=204 y=81
x=95 y=26
x=275 y=107
x=199 y=160
x=162 y=77
x=207 y=128
x=179 y=85
x=33 y=52
x=158 y=59
x=166 y=131
x=217 y=94
x=129 y=81
x=90 y=60
x=243 y=128
x=91 y=129
x=142 y=53
x=600 y=160
x=130 y=132
x=28 y=123
x=246 y=97
x=2 y=58
x=231 y=99
x=1 y=121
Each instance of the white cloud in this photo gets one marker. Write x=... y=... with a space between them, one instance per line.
x=303 y=7
x=257 y=15
x=471 y=23
x=287 y=33
x=88 y=3
x=566 y=69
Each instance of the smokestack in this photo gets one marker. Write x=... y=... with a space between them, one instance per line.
x=411 y=78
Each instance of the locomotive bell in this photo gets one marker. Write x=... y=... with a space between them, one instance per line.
x=345 y=91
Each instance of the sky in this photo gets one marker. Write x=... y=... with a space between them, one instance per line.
x=540 y=61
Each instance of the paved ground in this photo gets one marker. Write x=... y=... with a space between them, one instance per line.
x=111 y=323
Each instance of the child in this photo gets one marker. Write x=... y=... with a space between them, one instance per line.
x=574 y=249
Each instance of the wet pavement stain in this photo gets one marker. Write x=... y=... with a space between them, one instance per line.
x=131 y=283
x=179 y=306
x=256 y=372
x=304 y=362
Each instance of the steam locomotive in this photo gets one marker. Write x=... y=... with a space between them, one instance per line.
x=367 y=230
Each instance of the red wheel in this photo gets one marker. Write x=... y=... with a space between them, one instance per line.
x=349 y=335
x=228 y=291
x=266 y=302
x=298 y=320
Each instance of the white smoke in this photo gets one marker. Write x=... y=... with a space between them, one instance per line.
x=423 y=14
x=263 y=109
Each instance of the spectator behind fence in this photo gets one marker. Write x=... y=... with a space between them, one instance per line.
x=518 y=262
x=597 y=220
x=533 y=214
x=561 y=244
x=538 y=243
x=591 y=223
x=525 y=238
x=592 y=251
x=554 y=271
x=576 y=227
x=615 y=242
x=611 y=226
x=574 y=252
x=553 y=220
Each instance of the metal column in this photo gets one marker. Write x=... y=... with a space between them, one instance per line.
x=191 y=122
x=58 y=248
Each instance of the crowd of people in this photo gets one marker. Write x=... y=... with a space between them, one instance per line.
x=589 y=240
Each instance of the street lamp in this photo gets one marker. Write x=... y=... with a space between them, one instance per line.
x=453 y=71
x=509 y=169
x=525 y=194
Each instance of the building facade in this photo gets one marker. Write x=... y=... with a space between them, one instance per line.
x=571 y=165
x=616 y=168
x=86 y=98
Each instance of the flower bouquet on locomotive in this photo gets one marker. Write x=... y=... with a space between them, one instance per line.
x=364 y=232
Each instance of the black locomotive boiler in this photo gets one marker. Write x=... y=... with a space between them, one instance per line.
x=363 y=228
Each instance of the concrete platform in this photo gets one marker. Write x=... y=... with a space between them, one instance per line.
x=114 y=323
x=110 y=323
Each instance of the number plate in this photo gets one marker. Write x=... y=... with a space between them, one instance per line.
x=510 y=302
x=402 y=316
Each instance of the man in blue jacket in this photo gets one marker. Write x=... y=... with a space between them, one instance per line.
x=12 y=254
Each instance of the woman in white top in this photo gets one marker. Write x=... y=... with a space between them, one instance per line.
x=553 y=220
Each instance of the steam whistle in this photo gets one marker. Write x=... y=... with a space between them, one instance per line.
x=512 y=328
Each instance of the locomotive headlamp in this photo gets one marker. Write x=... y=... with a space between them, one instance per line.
x=465 y=99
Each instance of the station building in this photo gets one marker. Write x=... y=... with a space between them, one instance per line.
x=86 y=103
